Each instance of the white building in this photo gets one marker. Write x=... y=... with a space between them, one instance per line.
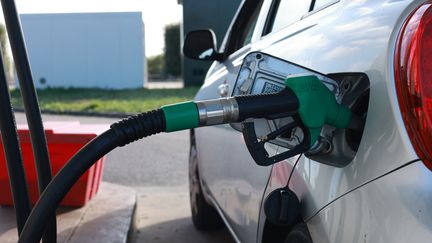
x=86 y=50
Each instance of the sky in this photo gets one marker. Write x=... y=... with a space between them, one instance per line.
x=156 y=14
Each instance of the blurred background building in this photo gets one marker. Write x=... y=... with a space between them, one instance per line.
x=199 y=14
x=86 y=50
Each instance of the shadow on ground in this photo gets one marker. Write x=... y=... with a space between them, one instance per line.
x=163 y=215
x=180 y=231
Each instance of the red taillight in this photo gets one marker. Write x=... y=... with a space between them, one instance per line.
x=413 y=76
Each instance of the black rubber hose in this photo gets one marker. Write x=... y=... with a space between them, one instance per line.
x=120 y=134
x=12 y=152
x=31 y=105
x=281 y=102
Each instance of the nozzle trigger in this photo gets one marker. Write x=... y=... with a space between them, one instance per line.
x=257 y=149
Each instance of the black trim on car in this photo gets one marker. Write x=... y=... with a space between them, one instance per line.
x=270 y=17
x=312 y=5
x=241 y=23
x=313 y=10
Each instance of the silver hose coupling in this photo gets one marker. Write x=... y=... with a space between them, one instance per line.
x=217 y=111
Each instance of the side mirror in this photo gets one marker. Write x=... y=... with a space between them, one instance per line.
x=201 y=45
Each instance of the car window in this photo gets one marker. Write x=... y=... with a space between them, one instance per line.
x=241 y=32
x=250 y=31
x=286 y=12
x=321 y=3
x=246 y=37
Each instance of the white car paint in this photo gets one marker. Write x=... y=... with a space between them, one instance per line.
x=346 y=204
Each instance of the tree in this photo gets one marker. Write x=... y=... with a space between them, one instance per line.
x=172 y=50
x=155 y=65
x=4 y=49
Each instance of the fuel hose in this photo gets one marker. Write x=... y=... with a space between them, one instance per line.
x=11 y=147
x=31 y=105
x=178 y=117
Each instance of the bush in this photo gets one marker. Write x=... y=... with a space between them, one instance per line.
x=4 y=49
x=155 y=65
x=172 y=50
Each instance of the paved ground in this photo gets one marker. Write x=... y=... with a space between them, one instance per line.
x=157 y=168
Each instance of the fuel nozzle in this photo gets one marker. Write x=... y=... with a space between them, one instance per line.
x=230 y=110
x=317 y=106
x=305 y=98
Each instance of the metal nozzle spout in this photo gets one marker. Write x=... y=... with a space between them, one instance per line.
x=217 y=111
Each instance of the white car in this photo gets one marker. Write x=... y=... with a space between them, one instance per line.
x=374 y=186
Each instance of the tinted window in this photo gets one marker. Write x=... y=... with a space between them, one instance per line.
x=251 y=27
x=286 y=12
x=241 y=32
x=320 y=3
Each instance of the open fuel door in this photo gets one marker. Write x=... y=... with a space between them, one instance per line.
x=261 y=73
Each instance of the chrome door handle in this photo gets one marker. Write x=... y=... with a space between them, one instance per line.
x=224 y=89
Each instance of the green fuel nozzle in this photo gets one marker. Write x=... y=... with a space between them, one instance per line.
x=305 y=98
x=191 y=114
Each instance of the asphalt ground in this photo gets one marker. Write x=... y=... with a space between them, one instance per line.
x=157 y=168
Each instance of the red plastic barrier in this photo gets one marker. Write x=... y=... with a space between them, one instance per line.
x=64 y=140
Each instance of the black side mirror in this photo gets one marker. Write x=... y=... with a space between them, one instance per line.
x=201 y=45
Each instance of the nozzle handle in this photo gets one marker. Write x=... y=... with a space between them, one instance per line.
x=318 y=105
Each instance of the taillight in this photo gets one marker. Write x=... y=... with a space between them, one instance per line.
x=413 y=76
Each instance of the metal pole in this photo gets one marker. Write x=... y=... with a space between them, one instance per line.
x=31 y=105
x=12 y=152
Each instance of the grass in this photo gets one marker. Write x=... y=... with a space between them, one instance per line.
x=100 y=100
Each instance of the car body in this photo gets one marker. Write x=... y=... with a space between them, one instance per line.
x=383 y=193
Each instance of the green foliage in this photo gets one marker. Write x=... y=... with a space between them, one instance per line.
x=3 y=38
x=172 y=50
x=102 y=100
x=169 y=63
x=155 y=65
x=4 y=47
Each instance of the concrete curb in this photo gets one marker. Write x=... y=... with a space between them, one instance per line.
x=107 y=218
x=133 y=223
x=83 y=113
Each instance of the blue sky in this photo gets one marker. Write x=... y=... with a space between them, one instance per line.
x=156 y=13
